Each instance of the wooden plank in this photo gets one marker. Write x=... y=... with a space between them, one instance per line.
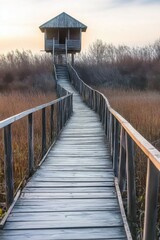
x=48 y=195
x=53 y=174
x=71 y=183
x=68 y=190
x=65 y=205
x=74 y=168
x=68 y=216
x=66 y=234
x=111 y=221
x=70 y=179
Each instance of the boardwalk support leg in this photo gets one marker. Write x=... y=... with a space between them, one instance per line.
x=30 y=145
x=152 y=189
x=8 y=162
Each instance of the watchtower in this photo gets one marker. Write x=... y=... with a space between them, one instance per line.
x=63 y=35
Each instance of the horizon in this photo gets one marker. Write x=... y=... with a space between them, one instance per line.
x=134 y=23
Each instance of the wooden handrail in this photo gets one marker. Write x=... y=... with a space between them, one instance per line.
x=64 y=109
x=122 y=138
x=150 y=151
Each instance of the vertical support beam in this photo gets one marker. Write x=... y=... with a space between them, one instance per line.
x=122 y=162
x=52 y=123
x=53 y=49
x=30 y=145
x=108 y=124
x=66 y=47
x=151 y=200
x=45 y=39
x=72 y=59
x=116 y=148
x=80 y=37
x=8 y=165
x=131 y=186
x=43 y=131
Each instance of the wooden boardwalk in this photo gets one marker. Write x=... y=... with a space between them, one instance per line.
x=72 y=195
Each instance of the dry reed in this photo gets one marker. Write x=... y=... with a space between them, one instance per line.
x=141 y=109
x=26 y=81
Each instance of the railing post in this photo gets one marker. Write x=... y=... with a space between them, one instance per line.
x=52 y=123
x=151 y=200
x=43 y=131
x=122 y=162
x=53 y=49
x=112 y=135
x=8 y=165
x=30 y=145
x=66 y=47
x=108 y=124
x=62 y=109
x=116 y=148
x=58 y=118
x=71 y=97
x=104 y=112
x=131 y=186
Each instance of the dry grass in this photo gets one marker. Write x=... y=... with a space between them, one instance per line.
x=26 y=81
x=141 y=109
x=16 y=102
x=11 y=104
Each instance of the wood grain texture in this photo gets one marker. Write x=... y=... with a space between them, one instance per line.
x=72 y=195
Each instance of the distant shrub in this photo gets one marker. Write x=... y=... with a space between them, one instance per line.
x=122 y=66
x=25 y=71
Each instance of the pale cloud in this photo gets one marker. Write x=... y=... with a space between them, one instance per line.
x=133 y=22
x=135 y=2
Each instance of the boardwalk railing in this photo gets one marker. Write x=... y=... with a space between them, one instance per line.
x=61 y=108
x=122 y=137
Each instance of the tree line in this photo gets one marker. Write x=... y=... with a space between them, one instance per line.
x=121 y=66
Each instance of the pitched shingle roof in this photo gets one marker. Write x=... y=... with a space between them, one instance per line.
x=63 y=20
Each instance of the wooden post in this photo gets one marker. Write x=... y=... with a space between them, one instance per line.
x=43 y=131
x=30 y=145
x=131 y=186
x=53 y=49
x=151 y=199
x=66 y=47
x=72 y=59
x=116 y=148
x=122 y=162
x=8 y=164
x=52 y=123
x=105 y=119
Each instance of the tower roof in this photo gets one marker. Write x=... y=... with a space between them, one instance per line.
x=63 y=20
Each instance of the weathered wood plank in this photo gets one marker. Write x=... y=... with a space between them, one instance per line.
x=49 y=195
x=113 y=221
x=58 y=216
x=69 y=190
x=71 y=179
x=66 y=234
x=71 y=183
x=53 y=174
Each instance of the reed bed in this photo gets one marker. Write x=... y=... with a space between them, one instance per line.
x=26 y=81
x=141 y=109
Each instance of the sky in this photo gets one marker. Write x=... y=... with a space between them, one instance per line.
x=133 y=22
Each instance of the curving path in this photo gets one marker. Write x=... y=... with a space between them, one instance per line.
x=72 y=195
